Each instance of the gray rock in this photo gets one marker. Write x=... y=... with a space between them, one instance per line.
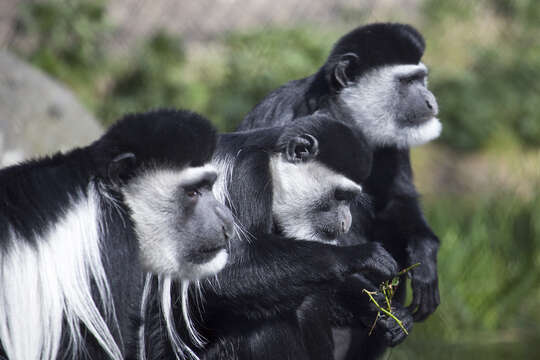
x=38 y=115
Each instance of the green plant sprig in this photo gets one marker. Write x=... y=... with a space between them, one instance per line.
x=388 y=289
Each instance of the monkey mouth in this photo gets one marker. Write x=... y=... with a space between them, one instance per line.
x=414 y=120
x=204 y=254
x=329 y=235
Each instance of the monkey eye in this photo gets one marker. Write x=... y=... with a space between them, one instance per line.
x=193 y=193
x=344 y=195
x=407 y=79
x=410 y=78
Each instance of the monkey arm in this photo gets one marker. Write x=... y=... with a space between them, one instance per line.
x=424 y=279
x=273 y=275
x=415 y=243
x=402 y=228
x=421 y=246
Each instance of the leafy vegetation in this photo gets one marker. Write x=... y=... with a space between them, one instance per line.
x=152 y=78
x=496 y=91
x=258 y=62
x=66 y=40
x=489 y=279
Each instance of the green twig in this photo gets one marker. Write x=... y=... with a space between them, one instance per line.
x=388 y=289
x=406 y=270
x=374 y=323
x=384 y=311
x=387 y=296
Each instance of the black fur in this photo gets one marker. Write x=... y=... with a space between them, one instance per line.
x=251 y=308
x=172 y=137
x=36 y=194
x=397 y=219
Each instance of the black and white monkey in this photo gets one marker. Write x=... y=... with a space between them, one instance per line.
x=374 y=79
x=285 y=184
x=79 y=231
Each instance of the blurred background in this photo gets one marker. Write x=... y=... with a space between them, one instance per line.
x=70 y=67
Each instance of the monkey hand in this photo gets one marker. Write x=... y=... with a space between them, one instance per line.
x=374 y=261
x=390 y=330
x=424 y=279
x=367 y=314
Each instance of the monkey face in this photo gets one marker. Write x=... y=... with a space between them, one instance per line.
x=393 y=106
x=181 y=228
x=311 y=201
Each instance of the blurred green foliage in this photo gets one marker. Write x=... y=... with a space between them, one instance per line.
x=260 y=61
x=489 y=283
x=249 y=67
x=152 y=78
x=498 y=91
x=66 y=40
x=498 y=232
x=68 y=35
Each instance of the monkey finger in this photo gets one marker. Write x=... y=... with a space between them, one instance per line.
x=394 y=334
x=427 y=306
x=435 y=298
x=396 y=337
x=416 y=300
x=422 y=312
x=378 y=272
x=377 y=261
x=392 y=339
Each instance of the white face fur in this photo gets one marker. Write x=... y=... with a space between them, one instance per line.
x=296 y=188
x=373 y=100
x=155 y=211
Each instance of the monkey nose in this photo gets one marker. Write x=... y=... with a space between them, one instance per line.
x=225 y=215
x=346 y=223
x=345 y=226
x=228 y=231
x=432 y=105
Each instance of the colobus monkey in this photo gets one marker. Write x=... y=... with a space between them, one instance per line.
x=79 y=230
x=283 y=184
x=374 y=79
x=303 y=196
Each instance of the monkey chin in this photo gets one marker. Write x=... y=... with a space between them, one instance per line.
x=329 y=241
x=324 y=238
x=208 y=268
x=421 y=134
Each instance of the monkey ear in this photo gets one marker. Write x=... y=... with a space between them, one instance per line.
x=121 y=167
x=302 y=148
x=343 y=69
